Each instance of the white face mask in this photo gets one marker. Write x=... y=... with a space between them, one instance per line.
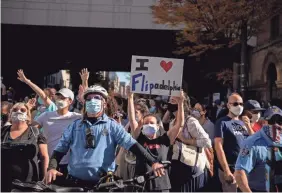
x=150 y=130
x=196 y=114
x=61 y=104
x=255 y=118
x=18 y=116
x=236 y=110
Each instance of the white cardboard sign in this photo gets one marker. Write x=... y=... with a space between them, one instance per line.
x=156 y=76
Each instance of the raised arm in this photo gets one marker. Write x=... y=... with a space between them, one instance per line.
x=174 y=131
x=131 y=114
x=166 y=117
x=84 y=75
x=34 y=87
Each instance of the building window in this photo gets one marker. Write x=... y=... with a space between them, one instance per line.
x=274 y=27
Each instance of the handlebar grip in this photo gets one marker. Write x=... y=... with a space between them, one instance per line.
x=168 y=163
x=108 y=184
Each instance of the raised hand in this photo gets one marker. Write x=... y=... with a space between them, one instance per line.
x=128 y=92
x=21 y=76
x=84 y=74
x=182 y=96
x=31 y=103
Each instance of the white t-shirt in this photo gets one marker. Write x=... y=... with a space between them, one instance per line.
x=54 y=126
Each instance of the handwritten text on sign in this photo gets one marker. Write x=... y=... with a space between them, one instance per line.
x=157 y=76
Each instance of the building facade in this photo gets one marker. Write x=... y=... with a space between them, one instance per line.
x=122 y=14
x=60 y=79
x=265 y=77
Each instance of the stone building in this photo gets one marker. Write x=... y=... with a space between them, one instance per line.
x=265 y=77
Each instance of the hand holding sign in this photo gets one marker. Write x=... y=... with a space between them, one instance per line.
x=128 y=92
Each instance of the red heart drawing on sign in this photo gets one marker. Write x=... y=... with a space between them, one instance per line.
x=166 y=66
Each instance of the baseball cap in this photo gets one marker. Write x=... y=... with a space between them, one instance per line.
x=274 y=110
x=67 y=93
x=253 y=105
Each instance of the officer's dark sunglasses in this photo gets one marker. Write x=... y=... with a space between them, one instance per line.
x=90 y=140
x=236 y=104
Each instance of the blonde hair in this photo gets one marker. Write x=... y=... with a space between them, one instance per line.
x=28 y=113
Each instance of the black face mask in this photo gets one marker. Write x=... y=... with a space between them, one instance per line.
x=172 y=107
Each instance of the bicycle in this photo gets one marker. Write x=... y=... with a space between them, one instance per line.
x=137 y=184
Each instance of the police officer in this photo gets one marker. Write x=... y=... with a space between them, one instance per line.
x=92 y=142
x=251 y=162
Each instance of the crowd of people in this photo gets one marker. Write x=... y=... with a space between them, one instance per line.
x=57 y=137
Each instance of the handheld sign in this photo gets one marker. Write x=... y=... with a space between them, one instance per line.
x=156 y=76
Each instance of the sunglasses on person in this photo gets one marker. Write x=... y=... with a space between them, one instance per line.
x=23 y=110
x=90 y=142
x=237 y=104
x=90 y=97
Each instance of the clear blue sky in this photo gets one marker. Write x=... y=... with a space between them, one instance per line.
x=122 y=77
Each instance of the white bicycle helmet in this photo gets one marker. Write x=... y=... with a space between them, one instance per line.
x=96 y=89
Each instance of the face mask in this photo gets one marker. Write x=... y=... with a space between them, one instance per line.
x=274 y=132
x=255 y=118
x=196 y=114
x=238 y=110
x=61 y=104
x=94 y=106
x=152 y=109
x=40 y=101
x=18 y=116
x=149 y=130
x=172 y=107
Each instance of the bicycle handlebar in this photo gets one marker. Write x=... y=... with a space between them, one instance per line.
x=137 y=180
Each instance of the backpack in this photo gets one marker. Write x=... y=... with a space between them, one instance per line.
x=26 y=149
x=274 y=169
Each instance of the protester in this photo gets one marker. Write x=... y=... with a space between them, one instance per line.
x=44 y=101
x=54 y=123
x=136 y=110
x=255 y=109
x=5 y=110
x=200 y=113
x=19 y=161
x=188 y=173
x=86 y=164
x=250 y=167
x=230 y=133
x=156 y=142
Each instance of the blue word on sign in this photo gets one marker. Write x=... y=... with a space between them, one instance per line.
x=145 y=86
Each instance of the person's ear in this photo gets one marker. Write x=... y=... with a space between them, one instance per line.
x=104 y=104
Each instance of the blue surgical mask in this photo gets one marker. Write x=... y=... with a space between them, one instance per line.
x=150 y=130
x=93 y=106
x=152 y=109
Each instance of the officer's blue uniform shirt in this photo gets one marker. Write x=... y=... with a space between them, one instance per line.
x=253 y=156
x=86 y=164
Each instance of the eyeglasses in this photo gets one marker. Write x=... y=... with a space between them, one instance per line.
x=23 y=110
x=236 y=104
x=90 y=141
x=90 y=97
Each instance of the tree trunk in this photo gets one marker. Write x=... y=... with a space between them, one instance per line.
x=244 y=60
